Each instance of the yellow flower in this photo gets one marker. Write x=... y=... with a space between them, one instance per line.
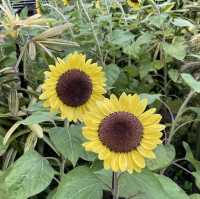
x=97 y=5
x=66 y=2
x=135 y=4
x=73 y=86
x=37 y=5
x=122 y=133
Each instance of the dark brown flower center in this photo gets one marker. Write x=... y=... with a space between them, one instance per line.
x=135 y=1
x=74 y=88
x=121 y=132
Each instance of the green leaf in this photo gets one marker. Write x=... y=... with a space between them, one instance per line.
x=150 y=97
x=176 y=50
x=145 y=185
x=68 y=141
x=194 y=84
x=195 y=196
x=172 y=190
x=121 y=37
x=189 y=156
x=158 y=20
x=174 y=75
x=182 y=22
x=197 y=178
x=38 y=106
x=38 y=117
x=145 y=68
x=165 y=154
x=79 y=183
x=112 y=73
x=29 y=175
x=145 y=38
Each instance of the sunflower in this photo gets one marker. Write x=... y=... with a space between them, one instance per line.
x=122 y=133
x=66 y=2
x=135 y=4
x=38 y=7
x=73 y=86
x=97 y=4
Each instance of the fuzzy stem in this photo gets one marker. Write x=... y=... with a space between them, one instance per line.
x=179 y=114
x=115 y=188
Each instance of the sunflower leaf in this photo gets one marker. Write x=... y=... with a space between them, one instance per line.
x=112 y=73
x=192 y=83
x=80 y=183
x=68 y=142
x=164 y=156
x=29 y=175
x=144 y=185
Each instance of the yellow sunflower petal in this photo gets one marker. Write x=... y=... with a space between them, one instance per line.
x=146 y=153
x=123 y=162
x=153 y=119
x=138 y=159
x=115 y=162
x=90 y=135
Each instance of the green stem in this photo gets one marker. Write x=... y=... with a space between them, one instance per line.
x=179 y=114
x=48 y=142
x=93 y=31
x=115 y=188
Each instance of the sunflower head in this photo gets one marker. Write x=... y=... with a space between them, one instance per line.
x=73 y=86
x=38 y=7
x=135 y=4
x=122 y=133
x=66 y=2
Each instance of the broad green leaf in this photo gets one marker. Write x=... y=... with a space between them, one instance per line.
x=173 y=74
x=79 y=183
x=195 y=196
x=121 y=37
x=145 y=185
x=197 y=178
x=38 y=117
x=189 y=156
x=194 y=84
x=176 y=49
x=38 y=106
x=77 y=132
x=150 y=97
x=145 y=68
x=158 y=20
x=29 y=175
x=112 y=73
x=182 y=22
x=68 y=142
x=145 y=38
x=133 y=50
x=164 y=156
x=172 y=190
x=166 y=7
x=4 y=192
